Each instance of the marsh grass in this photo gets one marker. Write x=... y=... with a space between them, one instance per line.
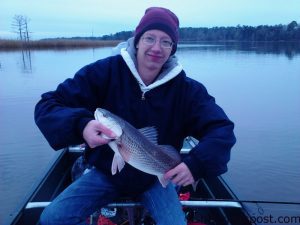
x=56 y=44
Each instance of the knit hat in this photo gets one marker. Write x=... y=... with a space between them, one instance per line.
x=161 y=19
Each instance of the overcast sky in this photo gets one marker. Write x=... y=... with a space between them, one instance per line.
x=68 y=18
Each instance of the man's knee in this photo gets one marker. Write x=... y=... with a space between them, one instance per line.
x=45 y=217
x=51 y=215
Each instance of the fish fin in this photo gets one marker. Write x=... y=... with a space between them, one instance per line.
x=171 y=151
x=163 y=181
x=117 y=163
x=150 y=133
x=113 y=145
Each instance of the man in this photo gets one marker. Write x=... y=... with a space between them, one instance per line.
x=146 y=86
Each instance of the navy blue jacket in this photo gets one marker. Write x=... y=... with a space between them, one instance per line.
x=178 y=108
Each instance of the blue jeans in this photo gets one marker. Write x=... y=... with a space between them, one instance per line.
x=94 y=190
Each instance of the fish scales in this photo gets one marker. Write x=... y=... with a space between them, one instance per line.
x=146 y=158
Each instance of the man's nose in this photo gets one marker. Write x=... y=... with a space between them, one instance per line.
x=156 y=46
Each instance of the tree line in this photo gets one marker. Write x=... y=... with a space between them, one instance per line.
x=289 y=32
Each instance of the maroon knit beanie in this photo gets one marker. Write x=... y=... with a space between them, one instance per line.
x=161 y=19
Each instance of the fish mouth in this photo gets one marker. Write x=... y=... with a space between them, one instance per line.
x=99 y=115
x=106 y=120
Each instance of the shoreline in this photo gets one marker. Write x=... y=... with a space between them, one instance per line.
x=69 y=44
x=57 y=44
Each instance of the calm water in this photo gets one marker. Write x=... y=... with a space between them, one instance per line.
x=258 y=87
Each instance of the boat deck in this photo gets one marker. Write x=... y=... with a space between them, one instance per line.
x=211 y=203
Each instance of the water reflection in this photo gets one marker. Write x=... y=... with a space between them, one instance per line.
x=289 y=49
x=26 y=61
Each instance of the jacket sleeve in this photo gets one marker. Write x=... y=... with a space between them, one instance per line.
x=208 y=123
x=61 y=115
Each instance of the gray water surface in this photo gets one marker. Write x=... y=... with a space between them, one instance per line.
x=257 y=86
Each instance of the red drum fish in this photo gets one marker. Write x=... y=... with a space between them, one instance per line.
x=138 y=147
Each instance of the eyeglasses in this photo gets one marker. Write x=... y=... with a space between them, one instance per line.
x=149 y=40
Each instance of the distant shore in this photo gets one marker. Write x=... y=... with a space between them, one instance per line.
x=69 y=44
x=6 y=44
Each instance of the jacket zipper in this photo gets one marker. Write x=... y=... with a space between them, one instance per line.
x=143 y=96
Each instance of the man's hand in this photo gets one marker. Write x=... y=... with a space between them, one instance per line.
x=180 y=175
x=92 y=134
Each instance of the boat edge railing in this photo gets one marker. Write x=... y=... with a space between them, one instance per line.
x=192 y=142
x=189 y=204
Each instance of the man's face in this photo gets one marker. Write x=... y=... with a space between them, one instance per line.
x=153 y=49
